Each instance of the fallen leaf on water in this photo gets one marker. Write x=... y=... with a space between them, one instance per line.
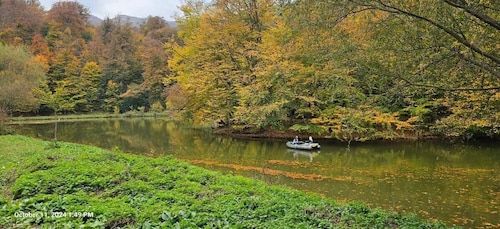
x=272 y=172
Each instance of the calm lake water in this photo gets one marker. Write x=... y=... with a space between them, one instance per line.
x=455 y=183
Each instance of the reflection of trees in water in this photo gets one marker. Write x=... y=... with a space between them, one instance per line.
x=141 y=136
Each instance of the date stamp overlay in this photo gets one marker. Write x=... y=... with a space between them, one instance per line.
x=21 y=214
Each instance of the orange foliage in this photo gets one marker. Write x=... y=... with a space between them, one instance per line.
x=272 y=172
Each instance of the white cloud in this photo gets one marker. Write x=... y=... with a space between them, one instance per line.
x=142 y=8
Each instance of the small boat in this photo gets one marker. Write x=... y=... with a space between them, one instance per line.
x=303 y=145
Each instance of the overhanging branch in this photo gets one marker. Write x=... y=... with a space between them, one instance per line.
x=382 y=6
x=456 y=36
x=461 y=4
x=448 y=89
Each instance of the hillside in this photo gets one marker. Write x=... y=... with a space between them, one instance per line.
x=135 y=21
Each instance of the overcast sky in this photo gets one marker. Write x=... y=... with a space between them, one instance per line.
x=136 y=8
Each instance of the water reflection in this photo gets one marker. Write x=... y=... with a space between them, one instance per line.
x=301 y=153
x=458 y=184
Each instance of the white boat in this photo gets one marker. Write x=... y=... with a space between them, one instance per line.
x=303 y=145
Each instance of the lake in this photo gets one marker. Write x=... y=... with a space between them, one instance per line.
x=458 y=184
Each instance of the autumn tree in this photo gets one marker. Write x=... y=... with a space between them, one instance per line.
x=70 y=15
x=265 y=94
x=90 y=76
x=218 y=56
x=156 y=32
x=66 y=36
x=20 y=74
x=120 y=60
x=40 y=48
x=348 y=68
x=20 y=20
x=441 y=56
x=177 y=93
x=67 y=29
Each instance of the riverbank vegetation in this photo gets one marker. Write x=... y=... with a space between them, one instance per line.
x=350 y=70
x=72 y=185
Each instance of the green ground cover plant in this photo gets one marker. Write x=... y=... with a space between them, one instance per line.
x=79 y=186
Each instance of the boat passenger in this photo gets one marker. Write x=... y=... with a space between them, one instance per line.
x=295 y=140
x=310 y=139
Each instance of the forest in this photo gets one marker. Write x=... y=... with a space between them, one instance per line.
x=345 y=69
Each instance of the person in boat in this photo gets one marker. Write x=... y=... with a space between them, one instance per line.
x=310 y=139
x=295 y=140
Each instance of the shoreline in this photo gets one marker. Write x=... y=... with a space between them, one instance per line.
x=80 y=117
x=290 y=134
x=287 y=134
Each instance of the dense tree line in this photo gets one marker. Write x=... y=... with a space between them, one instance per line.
x=110 y=67
x=350 y=69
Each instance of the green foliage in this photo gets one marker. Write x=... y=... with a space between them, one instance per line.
x=114 y=189
x=20 y=76
x=424 y=115
x=89 y=77
x=309 y=128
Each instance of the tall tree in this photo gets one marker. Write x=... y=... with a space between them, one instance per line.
x=66 y=35
x=120 y=59
x=20 y=74
x=156 y=32
x=265 y=95
x=40 y=48
x=69 y=15
x=188 y=24
x=20 y=20
x=218 y=56
x=90 y=76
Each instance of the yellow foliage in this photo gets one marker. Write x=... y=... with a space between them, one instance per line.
x=44 y=60
x=365 y=121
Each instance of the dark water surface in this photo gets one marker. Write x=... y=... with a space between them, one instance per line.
x=455 y=183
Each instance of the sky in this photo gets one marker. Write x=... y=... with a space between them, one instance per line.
x=135 y=8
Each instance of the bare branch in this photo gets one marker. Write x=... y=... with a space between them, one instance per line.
x=448 y=89
x=395 y=10
x=481 y=65
x=461 y=4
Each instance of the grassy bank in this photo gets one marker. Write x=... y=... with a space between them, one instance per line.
x=76 y=185
x=88 y=116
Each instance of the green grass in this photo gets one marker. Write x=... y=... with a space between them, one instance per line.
x=78 y=186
